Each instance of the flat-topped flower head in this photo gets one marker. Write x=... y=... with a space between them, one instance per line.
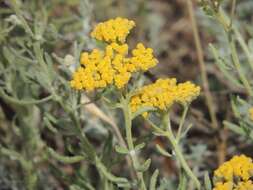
x=109 y=67
x=163 y=94
x=113 y=30
x=239 y=166
x=187 y=92
x=113 y=65
x=237 y=171
x=156 y=95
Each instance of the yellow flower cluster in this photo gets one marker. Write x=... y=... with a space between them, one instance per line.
x=113 y=30
x=251 y=113
x=223 y=186
x=234 y=174
x=143 y=57
x=163 y=93
x=112 y=66
x=248 y=185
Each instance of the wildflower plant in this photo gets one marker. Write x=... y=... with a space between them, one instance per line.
x=235 y=68
x=235 y=63
x=36 y=86
x=114 y=67
x=53 y=98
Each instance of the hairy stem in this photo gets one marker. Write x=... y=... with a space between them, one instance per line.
x=203 y=73
x=182 y=123
x=179 y=153
x=129 y=138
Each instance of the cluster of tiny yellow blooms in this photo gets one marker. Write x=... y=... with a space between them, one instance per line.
x=251 y=113
x=163 y=93
x=247 y=185
x=235 y=174
x=113 y=65
x=113 y=30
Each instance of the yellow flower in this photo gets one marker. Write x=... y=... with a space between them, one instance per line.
x=111 y=66
x=237 y=172
x=143 y=57
x=96 y=71
x=113 y=30
x=163 y=93
x=239 y=166
x=251 y=113
x=223 y=186
x=187 y=92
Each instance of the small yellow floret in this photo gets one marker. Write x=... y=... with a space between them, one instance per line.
x=113 y=30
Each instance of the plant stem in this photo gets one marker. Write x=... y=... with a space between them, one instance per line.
x=223 y=19
x=238 y=67
x=202 y=66
x=244 y=47
x=183 y=162
x=179 y=154
x=129 y=138
x=182 y=123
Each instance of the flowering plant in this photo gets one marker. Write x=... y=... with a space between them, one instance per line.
x=111 y=67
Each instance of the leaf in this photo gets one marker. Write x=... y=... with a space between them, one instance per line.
x=75 y=187
x=157 y=131
x=121 y=150
x=107 y=157
x=234 y=107
x=222 y=66
x=153 y=180
x=207 y=181
x=64 y=159
x=48 y=124
x=125 y=185
x=139 y=146
x=142 y=110
x=144 y=167
x=108 y=175
x=182 y=181
x=162 y=151
x=237 y=129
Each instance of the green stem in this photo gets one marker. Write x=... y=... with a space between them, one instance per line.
x=227 y=26
x=179 y=154
x=238 y=67
x=182 y=123
x=129 y=138
x=88 y=148
x=23 y=102
x=244 y=47
x=184 y=163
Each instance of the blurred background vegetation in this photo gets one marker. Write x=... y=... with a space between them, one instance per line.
x=40 y=41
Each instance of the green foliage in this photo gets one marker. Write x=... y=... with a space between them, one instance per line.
x=54 y=137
